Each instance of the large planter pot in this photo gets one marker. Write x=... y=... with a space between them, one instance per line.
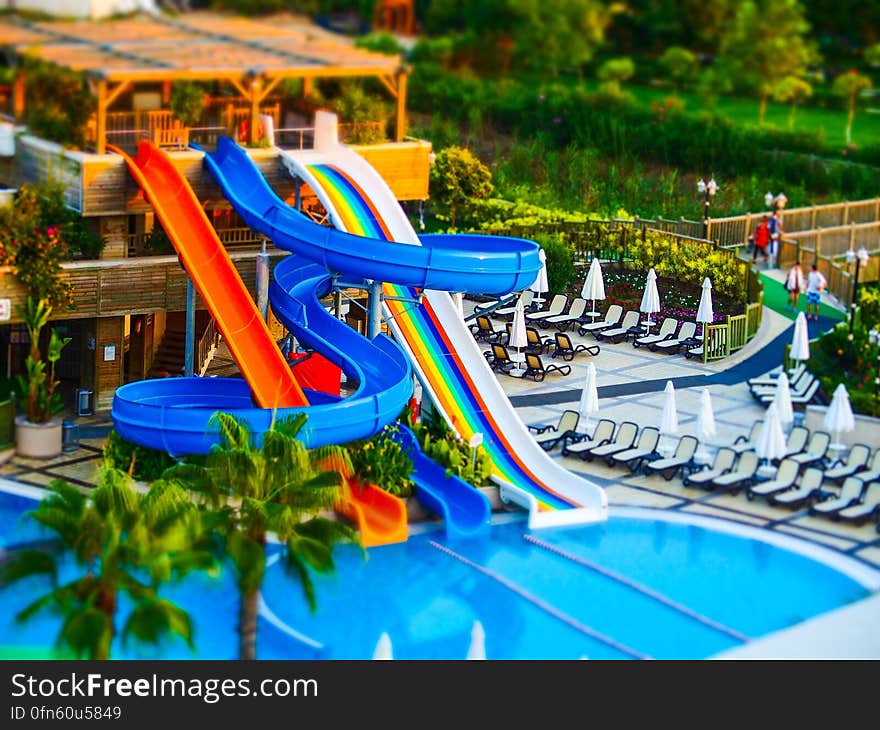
x=38 y=440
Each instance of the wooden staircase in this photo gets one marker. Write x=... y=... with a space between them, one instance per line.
x=171 y=352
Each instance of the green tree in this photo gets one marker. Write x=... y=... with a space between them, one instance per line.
x=58 y=103
x=551 y=34
x=872 y=55
x=848 y=85
x=187 y=102
x=457 y=180
x=248 y=491
x=123 y=544
x=765 y=44
x=680 y=64
x=615 y=72
x=792 y=90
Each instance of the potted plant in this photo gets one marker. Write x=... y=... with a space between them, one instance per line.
x=37 y=431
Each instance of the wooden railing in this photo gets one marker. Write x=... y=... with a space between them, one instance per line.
x=205 y=346
x=230 y=237
x=117 y=287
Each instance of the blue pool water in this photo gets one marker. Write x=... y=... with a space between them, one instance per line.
x=533 y=603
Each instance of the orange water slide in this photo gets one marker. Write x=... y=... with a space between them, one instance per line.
x=380 y=516
x=215 y=277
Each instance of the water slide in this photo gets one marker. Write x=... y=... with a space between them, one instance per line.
x=445 y=356
x=173 y=414
x=465 y=511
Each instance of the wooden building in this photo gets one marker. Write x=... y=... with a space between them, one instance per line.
x=126 y=302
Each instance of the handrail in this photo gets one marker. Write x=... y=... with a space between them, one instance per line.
x=207 y=342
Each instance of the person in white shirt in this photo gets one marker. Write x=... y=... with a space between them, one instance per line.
x=816 y=283
x=794 y=285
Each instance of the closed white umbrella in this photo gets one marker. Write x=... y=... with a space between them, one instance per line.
x=477 y=648
x=800 y=342
x=541 y=284
x=771 y=438
x=704 y=311
x=839 y=416
x=458 y=301
x=589 y=403
x=594 y=286
x=782 y=399
x=650 y=298
x=383 y=647
x=669 y=419
x=706 y=417
x=518 y=336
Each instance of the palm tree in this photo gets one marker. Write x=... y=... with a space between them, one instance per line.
x=278 y=487
x=123 y=543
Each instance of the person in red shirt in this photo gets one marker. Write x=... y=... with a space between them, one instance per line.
x=762 y=239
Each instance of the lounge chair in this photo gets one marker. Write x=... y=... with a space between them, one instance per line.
x=868 y=507
x=795 y=386
x=740 y=477
x=666 y=331
x=577 y=443
x=485 y=331
x=796 y=441
x=674 y=344
x=747 y=443
x=810 y=488
x=850 y=493
x=786 y=474
x=557 y=306
x=616 y=334
x=499 y=359
x=567 y=350
x=575 y=312
x=682 y=459
x=507 y=312
x=551 y=436
x=535 y=343
x=645 y=448
x=536 y=369
x=815 y=451
x=724 y=459
x=612 y=316
x=801 y=398
x=872 y=473
x=856 y=461
x=771 y=376
x=623 y=439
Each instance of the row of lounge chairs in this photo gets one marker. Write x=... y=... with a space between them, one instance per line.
x=803 y=387
x=500 y=361
x=560 y=345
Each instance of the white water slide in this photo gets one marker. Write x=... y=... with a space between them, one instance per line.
x=444 y=354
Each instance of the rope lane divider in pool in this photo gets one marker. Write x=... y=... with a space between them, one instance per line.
x=650 y=592
x=542 y=604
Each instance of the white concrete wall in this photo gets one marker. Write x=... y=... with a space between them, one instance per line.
x=84 y=8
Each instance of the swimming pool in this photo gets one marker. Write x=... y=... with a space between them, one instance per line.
x=628 y=588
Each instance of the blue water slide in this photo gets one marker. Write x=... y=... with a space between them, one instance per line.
x=486 y=264
x=466 y=512
x=173 y=414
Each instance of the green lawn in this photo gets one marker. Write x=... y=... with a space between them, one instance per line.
x=830 y=122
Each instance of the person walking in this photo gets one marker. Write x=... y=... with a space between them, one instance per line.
x=774 y=226
x=762 y=239
x=816 y=283
x=794 y=285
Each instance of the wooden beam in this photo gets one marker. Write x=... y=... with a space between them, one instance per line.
x=388 y=84
x=18 y=96
x=101 y=119
x=269 y=88
x=245 y=94
x=400 y=126
x=256 y=95
x=308 y=84
x=113 y=94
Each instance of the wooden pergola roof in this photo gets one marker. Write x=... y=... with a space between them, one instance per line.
x=252 y=55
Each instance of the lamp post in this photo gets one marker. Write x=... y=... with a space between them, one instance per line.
x=707 y=190
x=861 y=258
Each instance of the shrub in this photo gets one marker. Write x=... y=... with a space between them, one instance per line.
x=837 y=359
x=139 y=462
x=58 y=104
x=440 y=443
x=560 y=261
x=380 y=460
x=458 y=180
x=187 y=102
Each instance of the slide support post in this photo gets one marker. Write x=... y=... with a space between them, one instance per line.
x=374 y=312
x=189 y=348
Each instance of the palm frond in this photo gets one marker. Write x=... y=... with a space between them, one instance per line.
x=151 y=621
x=295 y=567
x=25 y=563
